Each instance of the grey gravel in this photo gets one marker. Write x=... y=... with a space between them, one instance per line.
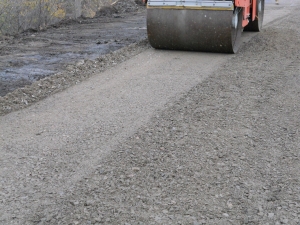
x=218 y=146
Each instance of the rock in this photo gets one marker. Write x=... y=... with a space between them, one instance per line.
x=89 y=202
x=74 y=203
x=270 y=215
x=229 y=204
x=135 y=169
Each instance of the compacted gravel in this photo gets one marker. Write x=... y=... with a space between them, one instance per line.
x=226 y=151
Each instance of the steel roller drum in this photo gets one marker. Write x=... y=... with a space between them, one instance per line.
x=194 y=29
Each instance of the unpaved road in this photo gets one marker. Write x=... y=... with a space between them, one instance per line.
x=165 y=137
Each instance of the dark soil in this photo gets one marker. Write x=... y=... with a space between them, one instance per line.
x=35 y=55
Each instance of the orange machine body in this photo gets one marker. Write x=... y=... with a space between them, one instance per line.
x=247 y=6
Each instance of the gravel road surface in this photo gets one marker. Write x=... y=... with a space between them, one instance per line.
x=165 y=137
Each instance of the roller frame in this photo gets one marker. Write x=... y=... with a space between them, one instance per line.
x=192 y=3
x=246 y=5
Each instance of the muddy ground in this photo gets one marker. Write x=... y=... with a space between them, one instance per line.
x=35 y=55
x=162 y=137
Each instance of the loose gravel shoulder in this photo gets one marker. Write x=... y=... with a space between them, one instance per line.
x=74 y=74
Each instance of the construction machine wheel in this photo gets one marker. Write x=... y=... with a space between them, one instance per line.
x=194 y=29
x=256 y=25
x=236 y=29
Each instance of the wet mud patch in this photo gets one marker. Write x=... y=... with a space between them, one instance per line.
x=35 y=55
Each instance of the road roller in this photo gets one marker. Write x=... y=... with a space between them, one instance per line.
x=202 y=25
